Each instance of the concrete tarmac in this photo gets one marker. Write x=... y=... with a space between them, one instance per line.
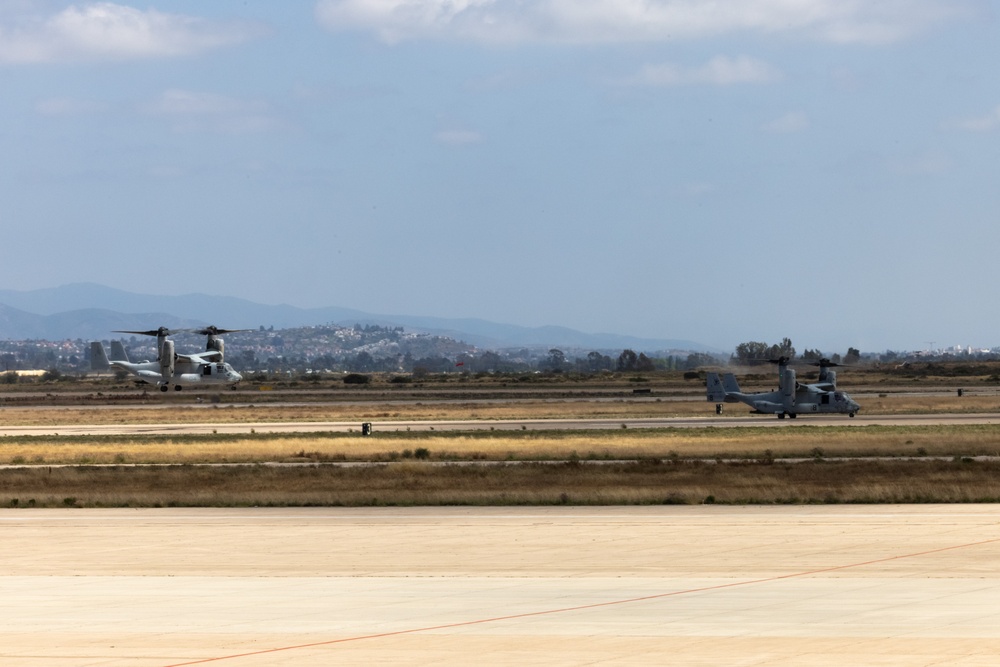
x=704 y=585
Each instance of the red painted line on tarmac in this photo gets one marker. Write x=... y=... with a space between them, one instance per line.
x=595 y=605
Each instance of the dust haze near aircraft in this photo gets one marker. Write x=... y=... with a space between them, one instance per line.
x=170 y=368
x=791 y=399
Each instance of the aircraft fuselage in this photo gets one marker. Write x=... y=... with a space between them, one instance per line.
x=802 y=402
x=186 y=374
x=791 y=399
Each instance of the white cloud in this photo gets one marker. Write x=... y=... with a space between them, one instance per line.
x=458 y=137
x=67 y=106
x=719 y=71
x=790 y=123
x=985 y=123
x=194 y=111
x=696 y=189
x=607 y=21
x=922 y=165
x=110 y=31
x=186 y=102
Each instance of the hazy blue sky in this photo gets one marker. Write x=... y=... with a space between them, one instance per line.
x=721 y=171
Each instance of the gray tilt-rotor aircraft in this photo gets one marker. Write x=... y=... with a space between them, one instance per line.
x=792 y=398
x=170 y=368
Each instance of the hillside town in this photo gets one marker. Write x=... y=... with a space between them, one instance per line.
x=337 y=349
x=331 y=349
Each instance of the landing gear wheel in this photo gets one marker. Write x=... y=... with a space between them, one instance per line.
x=781 y=415
x=851 y=415
x=164 y=388
x=177 y=387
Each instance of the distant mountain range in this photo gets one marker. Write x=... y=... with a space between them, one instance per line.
x=91 y=311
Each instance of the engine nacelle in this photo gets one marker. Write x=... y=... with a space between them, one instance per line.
x=216 y=344
x=167 y=360
x=788 y=386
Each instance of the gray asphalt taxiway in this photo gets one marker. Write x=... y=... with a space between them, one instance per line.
x=705 y=585
x=388 y=426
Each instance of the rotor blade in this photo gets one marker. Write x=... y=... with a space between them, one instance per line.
x=162 y=331
x=215 y=331
x=826 y=363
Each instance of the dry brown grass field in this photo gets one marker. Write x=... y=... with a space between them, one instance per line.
x=590 y=468
x=412 y=483
x=807 y=442
x=725 y=465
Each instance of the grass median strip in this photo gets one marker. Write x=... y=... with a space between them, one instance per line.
x=707 y=443
x=721 y=465
x=421 y=483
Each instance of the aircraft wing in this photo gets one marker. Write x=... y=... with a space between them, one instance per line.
x=822 y=386
x=208 y=357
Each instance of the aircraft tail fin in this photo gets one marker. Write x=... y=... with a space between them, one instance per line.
x=98 y=357
x=730 y=384
x=118 y=351
x=714 y=390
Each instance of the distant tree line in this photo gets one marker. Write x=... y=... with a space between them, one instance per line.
x=371 y=349
x=757 y=352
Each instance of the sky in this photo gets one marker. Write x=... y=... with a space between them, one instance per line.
x=713 y=170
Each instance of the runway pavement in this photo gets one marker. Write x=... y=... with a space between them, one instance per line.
x=726 y=421
x=707 y=585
